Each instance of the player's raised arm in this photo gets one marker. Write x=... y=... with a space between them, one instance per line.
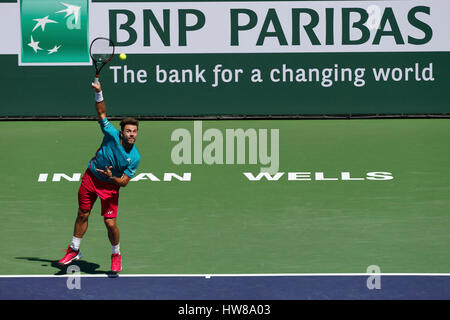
x=99 y=102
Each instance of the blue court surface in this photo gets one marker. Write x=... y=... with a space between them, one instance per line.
x=227 y=287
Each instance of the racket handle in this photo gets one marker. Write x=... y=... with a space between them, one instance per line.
x=96 y=80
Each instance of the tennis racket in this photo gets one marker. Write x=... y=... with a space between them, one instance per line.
x=101 y=52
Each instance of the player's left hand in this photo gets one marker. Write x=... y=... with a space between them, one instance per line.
x=107 y=172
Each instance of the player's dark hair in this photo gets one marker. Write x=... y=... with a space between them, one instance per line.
x=129 y=120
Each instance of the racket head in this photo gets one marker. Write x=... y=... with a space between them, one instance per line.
x=101 y=51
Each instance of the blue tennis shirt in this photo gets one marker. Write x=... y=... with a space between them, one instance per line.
x=111 y=153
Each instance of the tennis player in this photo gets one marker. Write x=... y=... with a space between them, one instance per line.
x=112 y=167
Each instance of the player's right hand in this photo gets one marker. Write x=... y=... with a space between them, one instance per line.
x=97 y=87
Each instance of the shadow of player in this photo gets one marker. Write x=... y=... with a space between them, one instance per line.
x=85 y=266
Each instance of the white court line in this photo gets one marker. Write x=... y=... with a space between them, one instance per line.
x=227 y=275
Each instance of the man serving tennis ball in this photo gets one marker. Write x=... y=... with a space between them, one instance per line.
x=112 y=167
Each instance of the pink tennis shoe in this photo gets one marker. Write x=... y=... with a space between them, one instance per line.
x=116 y=262
x=70 y=256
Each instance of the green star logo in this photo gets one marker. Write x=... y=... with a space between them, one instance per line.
x=54 y=32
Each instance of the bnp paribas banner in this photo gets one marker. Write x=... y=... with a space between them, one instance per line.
x=54 y=32
x=244 y=58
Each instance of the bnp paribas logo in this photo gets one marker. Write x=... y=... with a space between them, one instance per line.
x=54 y=32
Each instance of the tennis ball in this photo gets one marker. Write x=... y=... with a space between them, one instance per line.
x=123 y=56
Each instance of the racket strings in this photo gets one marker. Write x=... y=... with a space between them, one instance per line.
x=102 y=50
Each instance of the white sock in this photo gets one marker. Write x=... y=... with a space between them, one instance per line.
x=116 y=249
x=75 y=245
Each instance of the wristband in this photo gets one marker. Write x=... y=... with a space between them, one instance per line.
x=99 y=96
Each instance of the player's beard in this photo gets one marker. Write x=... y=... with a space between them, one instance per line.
x=126 y=144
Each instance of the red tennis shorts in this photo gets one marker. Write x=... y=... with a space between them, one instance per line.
x=91 y=188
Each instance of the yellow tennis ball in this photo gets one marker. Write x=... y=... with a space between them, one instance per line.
x=123 y=56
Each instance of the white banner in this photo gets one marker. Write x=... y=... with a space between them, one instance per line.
x=9 y=28
x=258 y=27
x=300 y=26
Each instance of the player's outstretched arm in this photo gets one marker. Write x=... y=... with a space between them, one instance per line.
x=99 y=102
